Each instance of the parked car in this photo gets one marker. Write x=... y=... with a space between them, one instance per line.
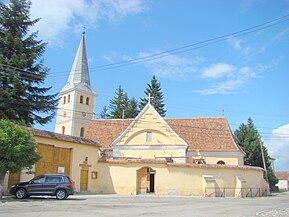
x=57 y=185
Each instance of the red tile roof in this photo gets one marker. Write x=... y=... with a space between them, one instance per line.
x=204 y=134
x=282 y=175
x=58 y=136
x=155 y=161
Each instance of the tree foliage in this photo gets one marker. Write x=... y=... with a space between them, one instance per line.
x=154 y=90
x=17 y=149
x=249 y=139
x=21 y=67
x=120 y=106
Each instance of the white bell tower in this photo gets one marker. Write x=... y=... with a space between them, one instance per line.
x=76 y=99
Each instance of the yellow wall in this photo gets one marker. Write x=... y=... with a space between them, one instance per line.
x=78 y=155
x=164 y=141
x=121 y=179
x=152 y=154
x=150 y=122
x=73 y=115
x=230 y=158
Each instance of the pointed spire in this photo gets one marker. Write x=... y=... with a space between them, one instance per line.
x=79 y=74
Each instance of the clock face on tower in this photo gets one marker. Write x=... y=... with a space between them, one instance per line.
x=83 y=114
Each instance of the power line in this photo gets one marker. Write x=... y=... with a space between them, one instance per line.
x=182 y=49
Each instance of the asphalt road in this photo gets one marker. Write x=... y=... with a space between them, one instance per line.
x=146 y=205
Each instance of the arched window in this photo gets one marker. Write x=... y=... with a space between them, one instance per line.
x=81 y=99
x=221 y=162
x=82 y=132
x=87 y=100
x=68 y=98
x=63 y=129
x=64 y=99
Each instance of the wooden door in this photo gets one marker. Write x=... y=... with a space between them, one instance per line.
x=83 y=180
x=51 y=159
x=13 y=179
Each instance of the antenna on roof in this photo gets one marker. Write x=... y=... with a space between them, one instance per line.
x=223 y=112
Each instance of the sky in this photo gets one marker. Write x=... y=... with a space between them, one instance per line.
x=206 y=75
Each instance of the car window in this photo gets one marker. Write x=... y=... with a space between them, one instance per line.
x=39 y=180
x=53 y=179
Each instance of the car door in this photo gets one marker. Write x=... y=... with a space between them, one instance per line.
x=51 y=183
x=35 y=186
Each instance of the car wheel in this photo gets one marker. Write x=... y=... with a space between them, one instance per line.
x=21 y=193
x=61 y=194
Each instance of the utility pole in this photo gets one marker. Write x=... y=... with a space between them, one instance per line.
x=263 y=158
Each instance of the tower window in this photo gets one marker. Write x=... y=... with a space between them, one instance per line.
x=82 y=132
x=63 y=129
x=64 y=99
x=87 y=101
x=68 y=98
x=81 y=99
x=149 y=137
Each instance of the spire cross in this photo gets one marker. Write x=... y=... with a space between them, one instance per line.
x=83 y=29
x=149 y=98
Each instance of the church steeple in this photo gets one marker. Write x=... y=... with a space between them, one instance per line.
x=77 y=99
x=79 y=74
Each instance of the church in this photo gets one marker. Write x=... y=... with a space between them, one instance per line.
x=147 y=154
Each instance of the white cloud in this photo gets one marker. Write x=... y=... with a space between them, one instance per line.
x=281 y=35
x=239 y=46
x=59 y=17
x=217 y=70
x=172 y=66
x=222 y=88
x=233 y=78
x=278 y=147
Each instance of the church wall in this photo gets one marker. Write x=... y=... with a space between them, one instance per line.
x=83 y=112
x=151 y=152
x=79 y=154
x=213 y=157
x=160 y=134
x=178 y=180
x=65 y=113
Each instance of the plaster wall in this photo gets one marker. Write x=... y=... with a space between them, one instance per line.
x=79 y=152
x=283 y=184
x=176 y=180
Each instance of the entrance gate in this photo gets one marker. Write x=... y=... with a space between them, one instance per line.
x=145 y=180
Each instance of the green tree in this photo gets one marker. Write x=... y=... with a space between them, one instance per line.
x=249 y=139
x=121 y=106
x=21 y=68
x=154 y=90
x=17 y=150
x=117 y=104
x=104 y=113
x=133 y=108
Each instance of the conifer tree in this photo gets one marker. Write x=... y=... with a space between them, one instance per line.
x=249 y=139
x=120 y=106
x=21 y=68
x=116 y=105
x=104 y=113
x=154 y=90
x=132 y=110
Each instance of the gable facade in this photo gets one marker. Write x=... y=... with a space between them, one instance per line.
x=149 y=137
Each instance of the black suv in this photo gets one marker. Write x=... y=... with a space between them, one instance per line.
x=57 y=185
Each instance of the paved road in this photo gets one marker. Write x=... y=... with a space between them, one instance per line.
x=146 y=205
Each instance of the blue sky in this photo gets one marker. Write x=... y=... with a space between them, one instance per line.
x=243 y=77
